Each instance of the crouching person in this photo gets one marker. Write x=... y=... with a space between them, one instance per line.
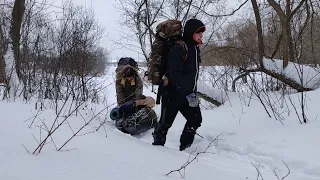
x=134 y=113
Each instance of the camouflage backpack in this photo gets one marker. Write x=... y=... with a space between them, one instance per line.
x=168 y=33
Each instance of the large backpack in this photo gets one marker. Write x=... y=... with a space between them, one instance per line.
x=168 y=33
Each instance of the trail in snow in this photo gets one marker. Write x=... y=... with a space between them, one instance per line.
x=248 y=136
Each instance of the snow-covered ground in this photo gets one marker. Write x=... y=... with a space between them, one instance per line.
x=305 y=75
x=249 y=139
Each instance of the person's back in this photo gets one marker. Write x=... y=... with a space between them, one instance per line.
x=180 y=92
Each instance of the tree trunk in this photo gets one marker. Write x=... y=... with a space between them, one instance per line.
x=2 y=68
x=285 y=45
x=149 y=24
x=17 y=15
x=2 y=62
x=285 y=19
x=209 y=99
x=259 y=29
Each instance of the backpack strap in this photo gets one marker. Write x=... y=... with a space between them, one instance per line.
x=185 y=47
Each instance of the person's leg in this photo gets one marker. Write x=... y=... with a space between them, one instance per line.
x=194 y=120
x=140 y=128
x=120 y=125
x=143 y=120
x=169 y=111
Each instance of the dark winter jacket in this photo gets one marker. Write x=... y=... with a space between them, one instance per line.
x=183 y=74
x=128 y=90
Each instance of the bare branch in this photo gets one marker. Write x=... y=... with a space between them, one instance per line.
x=258 y=171
x=297 y=8
x=278 y=9
x=209 y=99
x=189 y=161
x=86 y=124
x=284 y=177
x=223 y=15
x=85 y=133
x=25 y=148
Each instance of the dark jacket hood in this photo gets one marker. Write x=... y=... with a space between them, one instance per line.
x=125 y=71
x=192 y=26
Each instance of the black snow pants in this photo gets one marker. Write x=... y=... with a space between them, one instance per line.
x=172 y=102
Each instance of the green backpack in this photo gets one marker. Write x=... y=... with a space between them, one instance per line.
x=168 y=33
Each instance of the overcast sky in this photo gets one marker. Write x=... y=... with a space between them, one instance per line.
x=109 y=17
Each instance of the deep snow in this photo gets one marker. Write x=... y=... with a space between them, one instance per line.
x=248 y=136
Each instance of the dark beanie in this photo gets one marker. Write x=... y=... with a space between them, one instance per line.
x=194 y=25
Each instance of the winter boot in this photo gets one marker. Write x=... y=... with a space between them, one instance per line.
x=159 y=135
x=120 y=125
x=187 y=137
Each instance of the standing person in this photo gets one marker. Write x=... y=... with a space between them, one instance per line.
x=179 y=93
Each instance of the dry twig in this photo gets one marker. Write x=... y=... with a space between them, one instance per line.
x=183 y=167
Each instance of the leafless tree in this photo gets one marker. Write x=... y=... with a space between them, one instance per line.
x=141 y=17
x=56 y=48
x=17 y=17
x=242 y=44
x=4 y=37
x=58 y=55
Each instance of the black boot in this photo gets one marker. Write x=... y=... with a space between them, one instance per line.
x=187 y=137
x=120 y=125
x=159 y=135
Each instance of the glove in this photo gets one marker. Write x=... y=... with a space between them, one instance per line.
x=193 y=100
x=148 y=101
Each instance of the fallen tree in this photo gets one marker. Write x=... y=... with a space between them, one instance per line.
x=209 y=99
x=279 y=76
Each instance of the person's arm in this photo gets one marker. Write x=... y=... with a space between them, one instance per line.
x=148 y=102
x=119 y=92
x=176 y=62
x=139 y=88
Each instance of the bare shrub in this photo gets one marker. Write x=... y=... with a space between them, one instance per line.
x=62 y=51
x=182 y=169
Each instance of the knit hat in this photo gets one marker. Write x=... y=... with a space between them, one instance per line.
x=191 y=27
